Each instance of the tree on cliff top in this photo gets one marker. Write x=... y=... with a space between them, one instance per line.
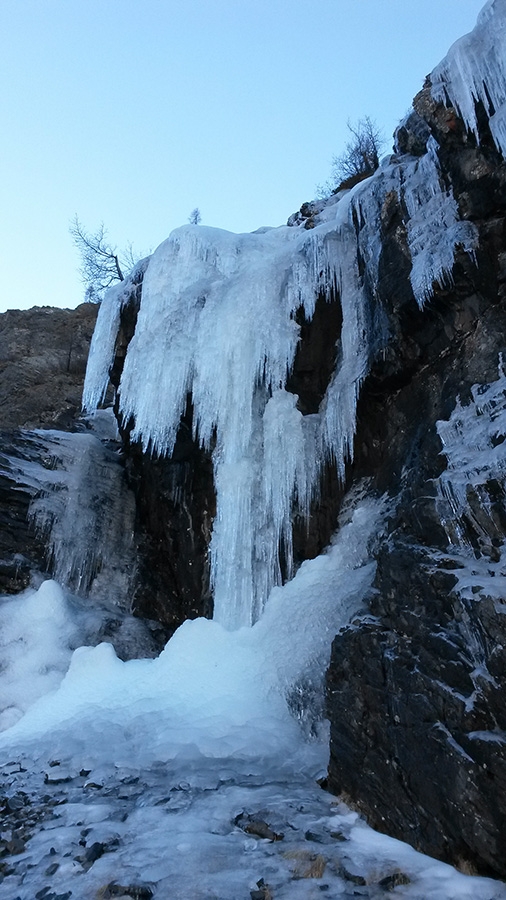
x=100 y=263
x=359 y=159
x=195 y=218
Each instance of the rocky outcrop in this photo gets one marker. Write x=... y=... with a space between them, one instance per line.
x=43 y=356
x=64 y=503
x=416 y=686
x=175 y=507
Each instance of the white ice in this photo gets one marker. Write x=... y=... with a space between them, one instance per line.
x=221 y=693
x=473 y=444
x=217 y=323
x=36 y=634
x=475 y=70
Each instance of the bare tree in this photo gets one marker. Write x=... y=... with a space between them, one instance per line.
x=100 y=263
x=130 y=258
x=360 y=157
x=195 y=218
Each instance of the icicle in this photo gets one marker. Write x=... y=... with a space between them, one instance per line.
x=475 y=70
x=473 y=443
x=83 y=509
x=434 y=225
x=101 y=356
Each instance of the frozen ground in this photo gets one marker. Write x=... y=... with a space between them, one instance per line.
x=202 y=830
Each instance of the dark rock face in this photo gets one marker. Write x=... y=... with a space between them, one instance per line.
x=416 y=688
x=175 y=506
x=175 y=509
x=43 y=355
x=315 y=359
x=21 y=551
x=313 y=367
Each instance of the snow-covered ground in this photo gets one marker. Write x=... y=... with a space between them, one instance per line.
x=199 y=830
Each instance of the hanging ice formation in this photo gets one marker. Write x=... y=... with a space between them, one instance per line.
x=217 y=321
x=472 y=440
x=82 y=507
x=475 y=70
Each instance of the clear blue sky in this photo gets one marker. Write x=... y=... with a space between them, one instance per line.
x=133 y=112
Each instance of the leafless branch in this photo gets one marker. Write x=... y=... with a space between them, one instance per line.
x=100 y=264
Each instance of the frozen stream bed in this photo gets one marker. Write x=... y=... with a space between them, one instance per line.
x=201 y=830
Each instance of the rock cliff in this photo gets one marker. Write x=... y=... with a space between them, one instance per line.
x=64 y=501
x=416 y=686
x=43 y=355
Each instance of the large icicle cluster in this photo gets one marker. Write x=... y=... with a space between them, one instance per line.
x=434 y=227
x=475 y=70
x=217 y=323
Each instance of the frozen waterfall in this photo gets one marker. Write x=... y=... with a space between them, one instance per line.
x=217 y=322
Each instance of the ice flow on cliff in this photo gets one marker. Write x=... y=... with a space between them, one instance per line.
x=217 y=322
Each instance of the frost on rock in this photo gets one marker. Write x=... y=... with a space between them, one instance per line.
x=475 y=70
x=434 y=226
x=81 y=505
x=473 y=443
x=431 y=218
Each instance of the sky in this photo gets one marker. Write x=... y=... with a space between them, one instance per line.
x=134 y=112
